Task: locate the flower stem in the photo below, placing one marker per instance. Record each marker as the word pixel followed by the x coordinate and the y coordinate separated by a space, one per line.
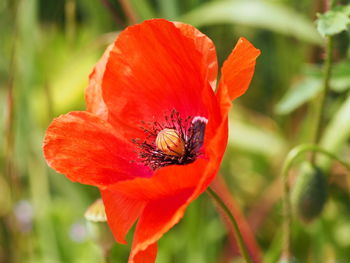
pixel 324 94
pixel 242 246
pixel 291 157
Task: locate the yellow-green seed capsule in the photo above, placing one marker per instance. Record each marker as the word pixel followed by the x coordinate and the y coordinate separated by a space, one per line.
pixel 169 142
pixel 309 193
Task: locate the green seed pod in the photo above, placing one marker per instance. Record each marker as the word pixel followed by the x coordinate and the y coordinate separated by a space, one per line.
pixel 309 193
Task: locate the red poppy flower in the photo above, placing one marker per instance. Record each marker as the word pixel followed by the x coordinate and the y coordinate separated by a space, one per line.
pixel 155 131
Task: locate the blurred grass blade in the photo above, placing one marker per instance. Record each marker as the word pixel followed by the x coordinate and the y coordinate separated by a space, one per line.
pixel 256 139
pixel 337 132
pixel 309 86
pixel 273 253
pixel 5 196
pixel 298 94
pixel 260 14
pixel 222 189
pixel 340 81
pixel 168 8
pixel 143 9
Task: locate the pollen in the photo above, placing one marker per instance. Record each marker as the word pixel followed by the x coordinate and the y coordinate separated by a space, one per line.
pixel 170 142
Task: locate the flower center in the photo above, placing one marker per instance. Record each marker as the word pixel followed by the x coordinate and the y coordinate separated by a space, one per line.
pixel 174 141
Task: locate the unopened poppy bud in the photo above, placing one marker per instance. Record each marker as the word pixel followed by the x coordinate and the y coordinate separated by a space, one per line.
pixel 97 228
pixel 96 212
pixel 170 142
pixel 309 193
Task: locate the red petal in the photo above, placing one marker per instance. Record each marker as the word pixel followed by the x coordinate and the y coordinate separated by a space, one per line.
pixel 146 256
pixel 86 149
pixel 168 193
pixel 93 93
pixel 157 218
pixel 207 49
pixel 209 70
pixel 154 70
pixel 215 149
pixel 236 75
pixel 166 181
pixel 237 72
pixel 122 212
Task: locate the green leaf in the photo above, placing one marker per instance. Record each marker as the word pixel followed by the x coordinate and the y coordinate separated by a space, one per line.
pixel 259 14
pixel 332 22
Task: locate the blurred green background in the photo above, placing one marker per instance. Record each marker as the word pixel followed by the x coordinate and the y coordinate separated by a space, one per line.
pixel 49 47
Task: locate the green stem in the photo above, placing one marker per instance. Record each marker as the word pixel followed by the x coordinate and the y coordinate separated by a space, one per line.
pixel 323 99
pixel 242 246
pixel 291 157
